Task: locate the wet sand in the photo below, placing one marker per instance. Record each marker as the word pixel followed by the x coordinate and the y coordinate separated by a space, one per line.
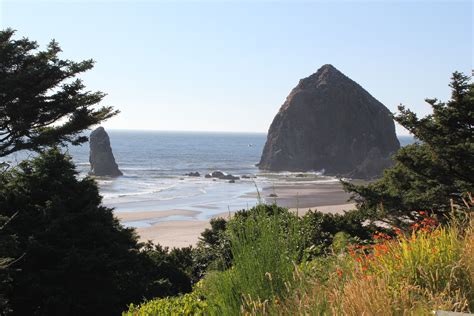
pixel 165 230
pixel 306 195
pixel 141 216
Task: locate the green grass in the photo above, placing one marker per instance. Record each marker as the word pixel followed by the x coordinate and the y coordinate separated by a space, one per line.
pixel 264 249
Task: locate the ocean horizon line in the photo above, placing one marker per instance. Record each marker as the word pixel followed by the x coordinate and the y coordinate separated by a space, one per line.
pixel 181 131
pixel 200 132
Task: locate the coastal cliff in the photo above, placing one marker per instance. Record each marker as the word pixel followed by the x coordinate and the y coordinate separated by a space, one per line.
pixel 329 122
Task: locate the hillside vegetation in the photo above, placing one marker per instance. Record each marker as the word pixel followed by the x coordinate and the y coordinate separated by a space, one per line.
pixel 416 271
pixel 406 250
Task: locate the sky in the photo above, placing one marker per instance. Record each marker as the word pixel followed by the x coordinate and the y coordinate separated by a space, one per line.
pixel 229 65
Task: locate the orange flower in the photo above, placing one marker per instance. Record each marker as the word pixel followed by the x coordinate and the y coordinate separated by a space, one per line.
pixel 397 231
pixel 415 225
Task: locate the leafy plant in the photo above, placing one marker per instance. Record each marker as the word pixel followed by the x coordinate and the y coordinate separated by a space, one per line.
pixel 185 305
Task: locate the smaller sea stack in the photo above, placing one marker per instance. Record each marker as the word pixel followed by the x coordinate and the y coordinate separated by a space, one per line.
pixel 101 157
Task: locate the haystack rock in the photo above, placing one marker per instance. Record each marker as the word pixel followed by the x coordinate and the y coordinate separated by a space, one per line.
pixel 101 157
pixel 330 123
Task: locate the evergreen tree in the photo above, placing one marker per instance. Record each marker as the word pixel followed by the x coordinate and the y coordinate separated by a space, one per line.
pixel 438 168
pixel 41 104
pixel 74 256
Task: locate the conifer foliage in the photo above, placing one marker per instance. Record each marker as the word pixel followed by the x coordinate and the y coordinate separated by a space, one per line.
pixel 42 102
pixel 438 168
pixel 74 255
pixel 61 251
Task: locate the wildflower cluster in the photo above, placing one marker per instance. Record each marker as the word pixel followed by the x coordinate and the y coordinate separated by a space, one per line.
pixel 426 223
pixel 365 254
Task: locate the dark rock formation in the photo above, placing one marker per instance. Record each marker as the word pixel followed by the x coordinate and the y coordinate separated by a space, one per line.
pixel 221 175
pixel 101 157
pixel 330 123
pixel 245 176
pixel 230 177
pixel 193 174
pixel 215 174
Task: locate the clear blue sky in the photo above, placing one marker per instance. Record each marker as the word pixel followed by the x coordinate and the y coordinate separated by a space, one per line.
pixel 229 65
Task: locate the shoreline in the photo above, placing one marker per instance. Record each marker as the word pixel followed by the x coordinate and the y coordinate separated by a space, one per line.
pixel 182 228
pixel 146 215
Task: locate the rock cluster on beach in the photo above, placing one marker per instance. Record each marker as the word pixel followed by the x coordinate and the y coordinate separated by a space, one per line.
pixel 193 174
pixel 221 175
pixel 101 157
pixel 329 122
pixel 214 175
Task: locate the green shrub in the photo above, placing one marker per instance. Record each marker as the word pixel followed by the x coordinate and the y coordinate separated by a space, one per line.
pixel 70 254
pixel 188 304
pixel 321 229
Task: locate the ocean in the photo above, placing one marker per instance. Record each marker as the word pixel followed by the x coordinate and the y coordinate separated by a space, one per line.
pixel 154 165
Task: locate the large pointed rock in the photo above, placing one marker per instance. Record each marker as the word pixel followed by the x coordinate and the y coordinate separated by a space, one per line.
pixel 101 157
pixel 330 123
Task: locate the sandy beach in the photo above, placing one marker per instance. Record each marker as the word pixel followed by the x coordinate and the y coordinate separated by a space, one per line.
pixel 174 233
pixel 181 228
pixel 161 230
pixel 306 195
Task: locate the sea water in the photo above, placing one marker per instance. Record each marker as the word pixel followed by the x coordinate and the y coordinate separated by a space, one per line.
pixel 154 165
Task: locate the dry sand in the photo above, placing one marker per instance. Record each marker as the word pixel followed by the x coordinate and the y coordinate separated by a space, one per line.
pixel 174 233
pixel 333 209
pixel 328 198
pixel 168 233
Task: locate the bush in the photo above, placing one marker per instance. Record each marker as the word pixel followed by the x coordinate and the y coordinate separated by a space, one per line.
pixel 72 256
pixel 322 228
pixel 185 305
pixel 212 251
